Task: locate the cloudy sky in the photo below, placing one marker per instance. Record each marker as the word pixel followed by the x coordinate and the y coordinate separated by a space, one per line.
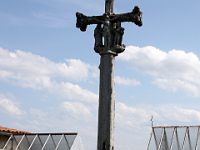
pixel 49 73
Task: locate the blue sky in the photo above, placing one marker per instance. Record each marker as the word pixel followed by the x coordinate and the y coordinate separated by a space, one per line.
pixel 49 70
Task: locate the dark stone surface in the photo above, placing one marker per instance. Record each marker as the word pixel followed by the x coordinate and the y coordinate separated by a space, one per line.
pixel 108 33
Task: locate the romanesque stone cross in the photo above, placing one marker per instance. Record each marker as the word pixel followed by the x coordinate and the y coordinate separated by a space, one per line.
pixel 108 43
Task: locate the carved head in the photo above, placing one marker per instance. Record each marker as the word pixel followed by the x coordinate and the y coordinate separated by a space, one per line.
pixel 137 15
pixel 81 21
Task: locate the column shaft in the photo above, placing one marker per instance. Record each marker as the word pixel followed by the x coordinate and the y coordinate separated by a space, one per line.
pixel 106 103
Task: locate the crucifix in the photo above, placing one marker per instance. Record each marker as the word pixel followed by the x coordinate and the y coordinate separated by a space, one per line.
pixel 108 36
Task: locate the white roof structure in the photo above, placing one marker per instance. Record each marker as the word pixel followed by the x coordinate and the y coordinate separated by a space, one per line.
pixel 44 141
pixel 175 138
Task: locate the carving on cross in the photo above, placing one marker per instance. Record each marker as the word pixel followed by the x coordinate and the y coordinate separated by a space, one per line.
pixel 108 33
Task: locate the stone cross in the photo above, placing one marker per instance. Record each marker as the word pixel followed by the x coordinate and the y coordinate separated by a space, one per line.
pixel 108 36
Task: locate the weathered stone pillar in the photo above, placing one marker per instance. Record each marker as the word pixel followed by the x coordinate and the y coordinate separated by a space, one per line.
pixel 106 103
pixel 108 43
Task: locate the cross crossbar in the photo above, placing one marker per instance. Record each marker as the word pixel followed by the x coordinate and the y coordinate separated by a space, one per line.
pixel 134 16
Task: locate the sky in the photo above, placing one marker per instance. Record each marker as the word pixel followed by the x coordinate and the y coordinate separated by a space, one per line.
pixel 49 75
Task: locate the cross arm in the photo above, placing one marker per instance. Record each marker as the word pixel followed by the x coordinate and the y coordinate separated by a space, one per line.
pixel 134 16
pixel 83 21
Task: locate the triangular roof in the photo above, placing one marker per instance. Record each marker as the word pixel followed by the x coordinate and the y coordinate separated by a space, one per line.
pixel 50 141
pixel 174 137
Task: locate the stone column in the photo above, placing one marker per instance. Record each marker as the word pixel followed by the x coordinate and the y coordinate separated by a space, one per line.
pixel 106 103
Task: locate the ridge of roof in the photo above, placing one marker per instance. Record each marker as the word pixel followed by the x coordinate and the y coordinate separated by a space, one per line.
pixel 12 131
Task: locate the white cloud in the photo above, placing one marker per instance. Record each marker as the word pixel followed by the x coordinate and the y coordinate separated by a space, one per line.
pixel 74 91
pixel 126 81
pixel 24 64
pixel 33 71
pixel 130 117
pixel 4 74
pixel 174 70
pixel 9 106
pixel 75 69
pixel 177 84
pixel 77 109
pixel 139 116
pixel 178 114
